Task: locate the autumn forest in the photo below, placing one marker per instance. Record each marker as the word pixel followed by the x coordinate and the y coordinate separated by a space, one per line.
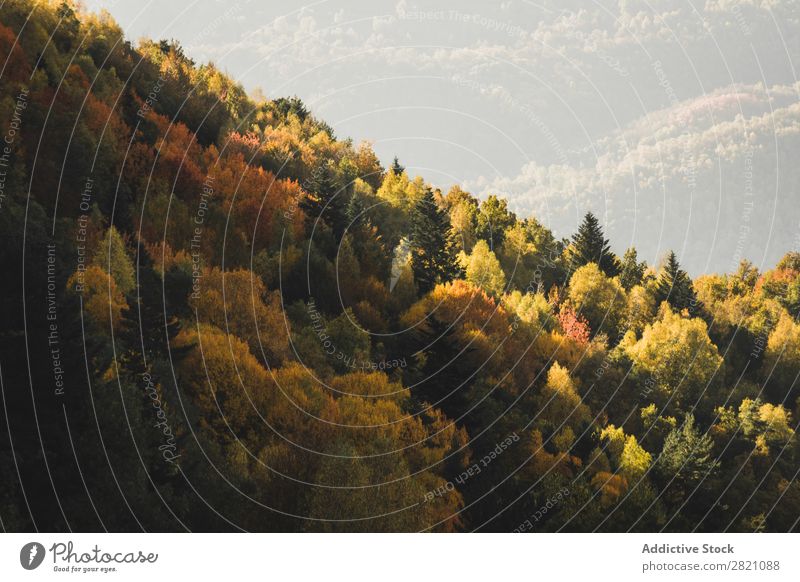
pixel 219 315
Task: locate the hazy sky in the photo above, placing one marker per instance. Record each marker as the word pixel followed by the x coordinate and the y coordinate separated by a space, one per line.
pixel 677 121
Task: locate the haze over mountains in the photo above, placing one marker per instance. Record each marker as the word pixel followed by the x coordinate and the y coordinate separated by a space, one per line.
pixel 675 121
pixel 712 177
pixel 220 316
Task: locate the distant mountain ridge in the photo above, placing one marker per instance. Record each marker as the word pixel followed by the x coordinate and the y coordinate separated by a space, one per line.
pixel 712 177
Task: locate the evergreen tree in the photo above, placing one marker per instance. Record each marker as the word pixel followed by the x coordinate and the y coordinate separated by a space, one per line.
pixel 631 271
pixel 291 105
pixel 687 457
pixel 445 374
pixel 355 211
pixel 326 199
pixel 675 287
pixel 589 245
pixel 433 248
pixel 112 257
pixel 367 240
pixel 396 168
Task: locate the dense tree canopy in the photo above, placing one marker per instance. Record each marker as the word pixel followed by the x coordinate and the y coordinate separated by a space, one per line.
pixel 230 318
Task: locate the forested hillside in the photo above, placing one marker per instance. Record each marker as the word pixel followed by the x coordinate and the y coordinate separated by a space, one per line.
pixel 219 315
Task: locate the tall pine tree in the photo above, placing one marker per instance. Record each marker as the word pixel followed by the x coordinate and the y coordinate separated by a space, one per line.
pixel 355 211
pixel 396 168
pixel 433 248
pixel 326 199
pixel 589 245
pixel 686 460
pixel 675 287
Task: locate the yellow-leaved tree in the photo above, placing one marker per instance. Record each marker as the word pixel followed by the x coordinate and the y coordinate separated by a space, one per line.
pixel 677 354
pixel 483 269
pixel 600 299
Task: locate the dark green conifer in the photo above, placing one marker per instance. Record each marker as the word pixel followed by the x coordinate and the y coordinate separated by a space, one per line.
pixel 675 287
pixel 396 168
pixel 589 245
pixel 326 199
pixel 433 248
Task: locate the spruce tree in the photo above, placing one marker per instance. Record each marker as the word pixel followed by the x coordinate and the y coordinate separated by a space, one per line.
pixel 326 199
pixel 396 167
pixel 631 271
pixel 367 240
pixel 686 459
pixel 590 246
pixel 112 257
pixel 433 248
pixel 675 287
pixel 354 212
